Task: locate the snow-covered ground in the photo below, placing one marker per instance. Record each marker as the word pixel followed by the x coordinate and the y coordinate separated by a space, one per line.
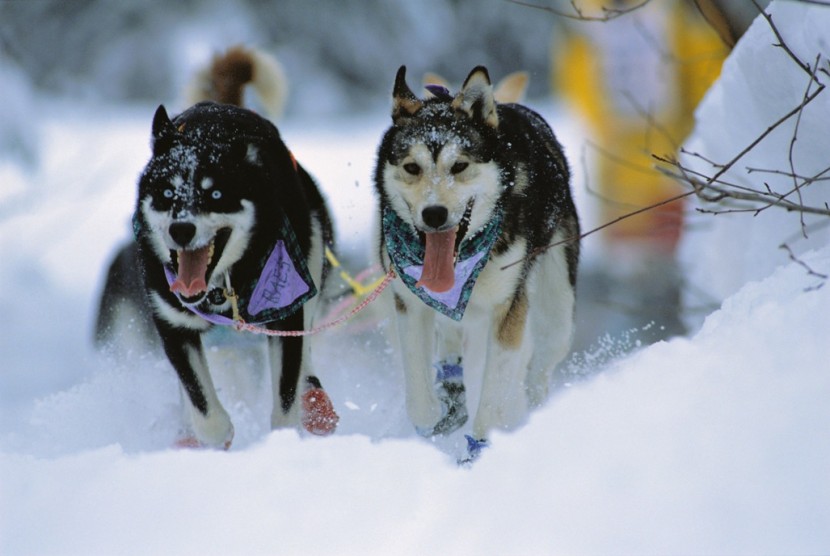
pixel 715 443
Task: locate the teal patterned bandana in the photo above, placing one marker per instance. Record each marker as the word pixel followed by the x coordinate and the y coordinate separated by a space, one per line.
pixel 407 254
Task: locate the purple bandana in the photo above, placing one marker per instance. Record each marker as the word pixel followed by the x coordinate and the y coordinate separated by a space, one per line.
pixel 279 284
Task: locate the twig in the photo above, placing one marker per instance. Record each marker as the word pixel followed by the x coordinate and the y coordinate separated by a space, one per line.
pixel 602 227
pixel 763 136
pixel 592 192
pixel 805 179
pixel 649 118
pixel 608 13
pixel 701 157
pixel 620 161
pixel 805 266
pixel 723 191
pixel 824 3
pixel 795 138
pixel 782 43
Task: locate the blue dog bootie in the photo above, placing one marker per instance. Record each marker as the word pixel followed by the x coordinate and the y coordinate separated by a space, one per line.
pixel 474 448
pixel 449 386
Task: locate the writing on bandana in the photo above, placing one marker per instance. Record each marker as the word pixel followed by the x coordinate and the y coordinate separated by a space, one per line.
pixel 407 254
pixel 279 284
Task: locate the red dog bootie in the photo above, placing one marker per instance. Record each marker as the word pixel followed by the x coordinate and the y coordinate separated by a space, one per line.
pixel 318 416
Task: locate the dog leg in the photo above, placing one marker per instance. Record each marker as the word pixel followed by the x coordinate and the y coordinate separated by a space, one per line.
pixel 416 334
pixel 450 343
pixel 285 356
pixel 503 403
pixel 211 423
pixel 290 360
pixel 449 381
pixel 551 322
pixel 317 411
pixel 449 386
pixel 292 371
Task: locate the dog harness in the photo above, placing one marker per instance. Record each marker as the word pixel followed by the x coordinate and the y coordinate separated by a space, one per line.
pixel 407 254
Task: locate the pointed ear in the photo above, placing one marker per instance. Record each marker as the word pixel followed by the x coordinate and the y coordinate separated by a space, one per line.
pixel 476 97
pixel 404 102
pixel 512 87
pixel 163 130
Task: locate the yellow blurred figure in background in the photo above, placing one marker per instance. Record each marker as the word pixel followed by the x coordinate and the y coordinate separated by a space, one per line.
pixel 636 80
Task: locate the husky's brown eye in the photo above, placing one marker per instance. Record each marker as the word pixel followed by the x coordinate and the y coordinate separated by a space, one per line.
pixel 459 167
pixel 412 168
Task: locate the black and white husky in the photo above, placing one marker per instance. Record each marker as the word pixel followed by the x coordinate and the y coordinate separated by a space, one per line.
pixel 466 187
pixel 229 228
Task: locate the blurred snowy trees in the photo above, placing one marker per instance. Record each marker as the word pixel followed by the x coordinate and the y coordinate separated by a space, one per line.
pixel 339 55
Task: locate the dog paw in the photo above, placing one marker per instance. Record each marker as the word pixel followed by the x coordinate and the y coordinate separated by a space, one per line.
pixel 474 448
pixel 190 442
pixel 319 417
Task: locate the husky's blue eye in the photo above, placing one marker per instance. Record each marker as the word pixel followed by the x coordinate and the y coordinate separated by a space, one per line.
pixel 459 167
pixel 168 193
pixel 412 168
pixel 216 194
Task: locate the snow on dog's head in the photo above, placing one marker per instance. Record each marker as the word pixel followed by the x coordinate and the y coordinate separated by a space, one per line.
pixel 437 164
pixel 210 166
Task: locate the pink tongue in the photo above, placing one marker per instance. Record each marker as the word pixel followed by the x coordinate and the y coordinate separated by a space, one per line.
pixel 439 273
pixel 192 270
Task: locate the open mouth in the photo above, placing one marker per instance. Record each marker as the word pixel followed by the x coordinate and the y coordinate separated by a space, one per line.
pixel 195 267
pixel 440 253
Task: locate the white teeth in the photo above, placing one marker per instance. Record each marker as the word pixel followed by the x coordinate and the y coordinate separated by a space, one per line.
pixel 211 251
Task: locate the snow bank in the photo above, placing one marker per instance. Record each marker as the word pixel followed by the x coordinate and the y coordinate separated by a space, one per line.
pixel 760 83
pixel 714 444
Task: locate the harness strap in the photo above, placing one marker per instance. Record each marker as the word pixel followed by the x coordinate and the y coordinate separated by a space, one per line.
pixel 359 289
pixel 230 295
pixel 242 325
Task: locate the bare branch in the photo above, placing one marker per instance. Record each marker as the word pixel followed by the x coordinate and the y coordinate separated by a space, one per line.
pixel 620 161
pixel 578 15
pixel 719 191
pixel 805 266
pixel 701 157
pixel 795 138
pixel 650 120
pixel 783 45
pixel 726 167
pixel 602 227
pixel 591 191
pixel 805 179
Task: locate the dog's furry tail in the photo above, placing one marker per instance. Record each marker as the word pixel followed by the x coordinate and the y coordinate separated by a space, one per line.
pixel 224 80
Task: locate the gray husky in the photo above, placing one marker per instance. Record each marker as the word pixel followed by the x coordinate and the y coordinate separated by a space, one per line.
pixel 467 186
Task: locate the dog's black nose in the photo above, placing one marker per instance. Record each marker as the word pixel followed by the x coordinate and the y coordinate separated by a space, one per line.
pixel 182 232
pixel 435 216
